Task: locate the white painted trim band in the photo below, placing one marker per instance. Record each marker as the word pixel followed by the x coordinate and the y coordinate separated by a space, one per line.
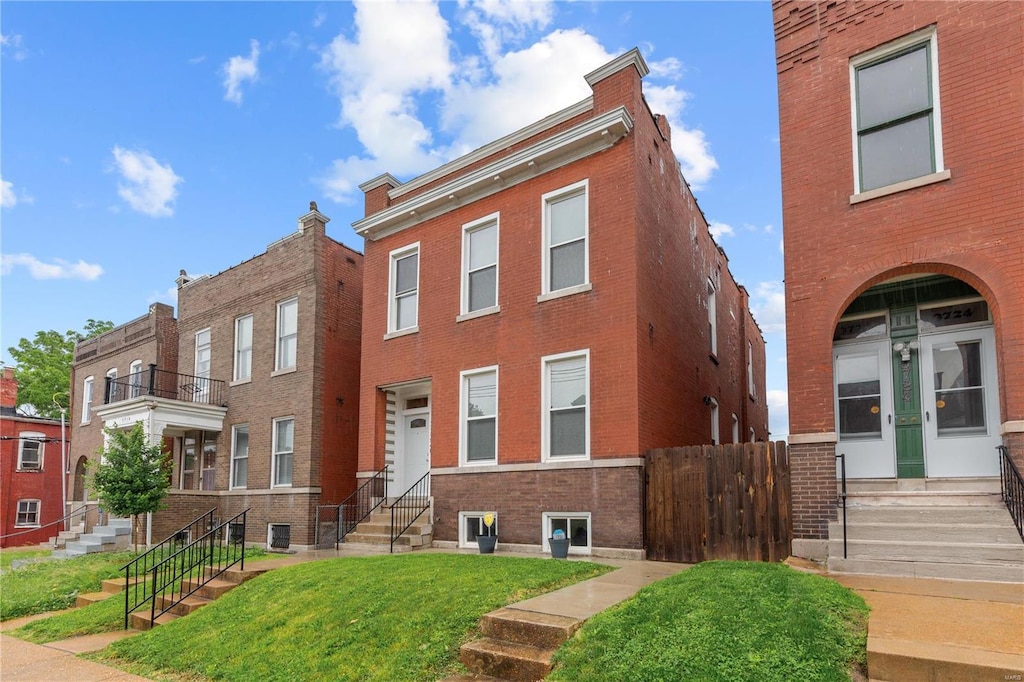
pixel 812 438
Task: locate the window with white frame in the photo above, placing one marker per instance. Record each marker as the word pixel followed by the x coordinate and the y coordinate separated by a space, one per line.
pixel 472 526
pixel 239 455
pixel 30 450
pixel 566 225
pixel 480 264
pixel 751 385
pixel 287 333
pixel 404 288
pixel 135 378
pixel 715 437
pixel 243 348
pixel 28 514
pixel 753 436
pixel 897 127
pixel 111 385
pixel 284 448
pixel 87 400
pixel 735 428
pixel 479 437
pixel 713 317
pixel 202 362
pixel 566 418
pixel 575 525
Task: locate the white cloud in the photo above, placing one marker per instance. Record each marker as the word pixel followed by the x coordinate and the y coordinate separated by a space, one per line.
pixel 197 60
pixel 497 22
pixel 13 45
pixel 319 18
pixel 689 144
pixel 670 67
pixel 170 296
pixel 778 413
pixel 782 246
pixel 768 303
pixel 238 70
pixel 58 269
pixel 8 199
pixel 719 230
pixel 149 187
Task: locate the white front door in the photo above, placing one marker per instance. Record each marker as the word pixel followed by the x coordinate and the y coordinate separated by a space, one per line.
pixel 863 404
pixel 961 403
pixel 414 460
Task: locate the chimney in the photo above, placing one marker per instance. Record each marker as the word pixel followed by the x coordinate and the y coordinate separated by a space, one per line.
pixel 182 279
pixel 8 389
pixel 314 220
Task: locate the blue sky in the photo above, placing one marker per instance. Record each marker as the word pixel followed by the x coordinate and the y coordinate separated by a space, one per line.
pixel 139 139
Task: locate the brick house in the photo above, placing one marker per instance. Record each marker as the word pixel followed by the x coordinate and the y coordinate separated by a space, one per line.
pixel 31 472
pixel 902 165
pixel 255 392
pixel 540 312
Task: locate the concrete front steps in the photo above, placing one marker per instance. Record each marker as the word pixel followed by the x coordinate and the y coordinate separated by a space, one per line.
pixel 517 644
pixel 114 536
pixel 62 538
pixel 952 534
pixel 374 534
pixel 205 594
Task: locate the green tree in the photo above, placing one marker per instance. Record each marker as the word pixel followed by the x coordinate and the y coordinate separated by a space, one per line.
pixel 43 366
pixel 133 476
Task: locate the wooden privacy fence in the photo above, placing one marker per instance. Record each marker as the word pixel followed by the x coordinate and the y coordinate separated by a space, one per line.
pixel 718 502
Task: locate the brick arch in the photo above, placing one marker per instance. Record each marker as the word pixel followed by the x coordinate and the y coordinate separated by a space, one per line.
pixel 78 484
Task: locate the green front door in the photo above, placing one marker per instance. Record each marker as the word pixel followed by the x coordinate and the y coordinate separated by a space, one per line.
pixel 906 397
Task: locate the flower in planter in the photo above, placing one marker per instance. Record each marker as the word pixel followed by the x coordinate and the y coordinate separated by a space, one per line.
pixel 489 523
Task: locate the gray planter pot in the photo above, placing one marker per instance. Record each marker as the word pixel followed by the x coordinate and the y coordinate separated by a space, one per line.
pixel 559 547
pixel 486 543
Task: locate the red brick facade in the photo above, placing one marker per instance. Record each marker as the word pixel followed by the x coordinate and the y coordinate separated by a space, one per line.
pixel 642 317
pixel 963 221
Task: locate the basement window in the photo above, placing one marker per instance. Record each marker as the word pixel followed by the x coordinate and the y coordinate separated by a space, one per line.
pixel 471 526
pixel 279 535
pixel 575 525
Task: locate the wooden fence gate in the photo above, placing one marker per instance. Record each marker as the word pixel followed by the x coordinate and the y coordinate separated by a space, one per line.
pixel 718 502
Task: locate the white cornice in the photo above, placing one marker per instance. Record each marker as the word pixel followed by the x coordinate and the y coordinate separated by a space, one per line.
pixel 382 179
pixel 580 141
pixel 571 111
pixel 631 58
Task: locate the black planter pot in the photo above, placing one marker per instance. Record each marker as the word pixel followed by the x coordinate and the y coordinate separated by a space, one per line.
pixel 559 547
pixel 486 543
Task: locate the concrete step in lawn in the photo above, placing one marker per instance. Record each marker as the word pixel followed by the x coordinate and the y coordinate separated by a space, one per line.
pixel 91 598
pixel 517 644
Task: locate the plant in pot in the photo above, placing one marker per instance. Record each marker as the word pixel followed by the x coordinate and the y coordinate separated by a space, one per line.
pixel 489 538
pixel 559 544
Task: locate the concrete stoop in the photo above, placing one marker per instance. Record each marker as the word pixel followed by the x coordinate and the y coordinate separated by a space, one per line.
pixel 114 536
pixel 902 661
pixel 517 644
pixel 374 534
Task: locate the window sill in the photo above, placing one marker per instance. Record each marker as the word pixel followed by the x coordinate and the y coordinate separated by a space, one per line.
pixel 483 312
pixel 35 526
pixel 903 186
pixel 478 464
pixel 567 458
pixel 281 372
pixel 242 382
pixel 402 332
pixel 568 291
pixel 282 485
pixel 29 471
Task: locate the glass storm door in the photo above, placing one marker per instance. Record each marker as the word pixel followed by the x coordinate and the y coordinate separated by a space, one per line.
pixel 863 395
pixel 961 403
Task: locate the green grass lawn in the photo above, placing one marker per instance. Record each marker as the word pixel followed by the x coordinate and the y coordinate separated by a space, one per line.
pixel 54 585
pixel 9 555
pixel 724 621
pixel 368 618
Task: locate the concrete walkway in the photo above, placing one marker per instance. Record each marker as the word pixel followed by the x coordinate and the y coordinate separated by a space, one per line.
pixel 22 661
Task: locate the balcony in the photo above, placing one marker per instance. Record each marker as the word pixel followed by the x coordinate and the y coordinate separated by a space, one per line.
pixel 171 385
pixel 167 403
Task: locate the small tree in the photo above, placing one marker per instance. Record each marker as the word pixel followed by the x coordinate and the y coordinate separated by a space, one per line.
pixel 132 476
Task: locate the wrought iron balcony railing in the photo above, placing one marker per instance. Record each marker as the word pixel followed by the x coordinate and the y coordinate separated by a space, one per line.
pixel 164 384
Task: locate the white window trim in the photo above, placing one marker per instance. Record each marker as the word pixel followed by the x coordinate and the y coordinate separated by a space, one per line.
pixel 465 516
pixel 581 187
pixel 393 258
pixel 278 336
pixel 545 416
pixel 751 384
pixel 467 230
pixel 735 428
pixel 38 512
pixel 926 35
pixel 235 375
pixel 274 452
pixel 231 473
pixel 753 436
pixel 713 316
pixel 35 437
pixel 716 434
pixel 110 391
pixel 464 416
pixel 87 398
pixel 545 530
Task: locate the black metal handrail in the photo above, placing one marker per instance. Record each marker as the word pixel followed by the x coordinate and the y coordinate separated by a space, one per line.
pixel 354 508
pixel 187 570
pixel 137 570
pixel 1011 487
pixel 407 508
pixel 842 494
pixel 162 383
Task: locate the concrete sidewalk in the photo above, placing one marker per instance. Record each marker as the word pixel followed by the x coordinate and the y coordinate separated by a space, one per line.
pixel 22 661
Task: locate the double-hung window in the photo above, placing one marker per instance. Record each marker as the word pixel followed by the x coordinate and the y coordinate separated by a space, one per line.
pixel 565 430
pixel 287 333
pixel 202 388
pixel 480 265
pixel 28 513
pixel 480 416
pixel 751 386
pixel 243 348
pixel 404 289
pixel 111 385
pixel 135 379
pixel 566 261
pixel 715 437
pixel 897 131
pixel 239 455
pixel 284 448
pixel 87 400
pixel 30 451
pixel 713 317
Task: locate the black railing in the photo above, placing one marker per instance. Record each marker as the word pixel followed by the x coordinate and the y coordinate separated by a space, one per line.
pixel 409 507
pixel 187 570
pixel 352 511
pixel 1011 486
pixel 164 384
pixel 136 591
pixel 36 529
pixel 842 493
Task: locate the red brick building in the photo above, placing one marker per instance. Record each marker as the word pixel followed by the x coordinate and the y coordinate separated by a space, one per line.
pixel 539 313
pixel 31 471
pixel 902 139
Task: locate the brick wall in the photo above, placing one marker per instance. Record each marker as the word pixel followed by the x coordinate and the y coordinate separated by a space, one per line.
pixel 43 484
pixel 813 480
pixel 295 509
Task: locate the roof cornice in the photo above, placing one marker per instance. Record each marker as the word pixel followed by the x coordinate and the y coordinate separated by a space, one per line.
pixel 580 141
pixel 382 179
pixel 633 57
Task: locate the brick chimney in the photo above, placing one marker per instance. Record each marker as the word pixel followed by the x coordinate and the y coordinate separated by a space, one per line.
pixel 8 389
